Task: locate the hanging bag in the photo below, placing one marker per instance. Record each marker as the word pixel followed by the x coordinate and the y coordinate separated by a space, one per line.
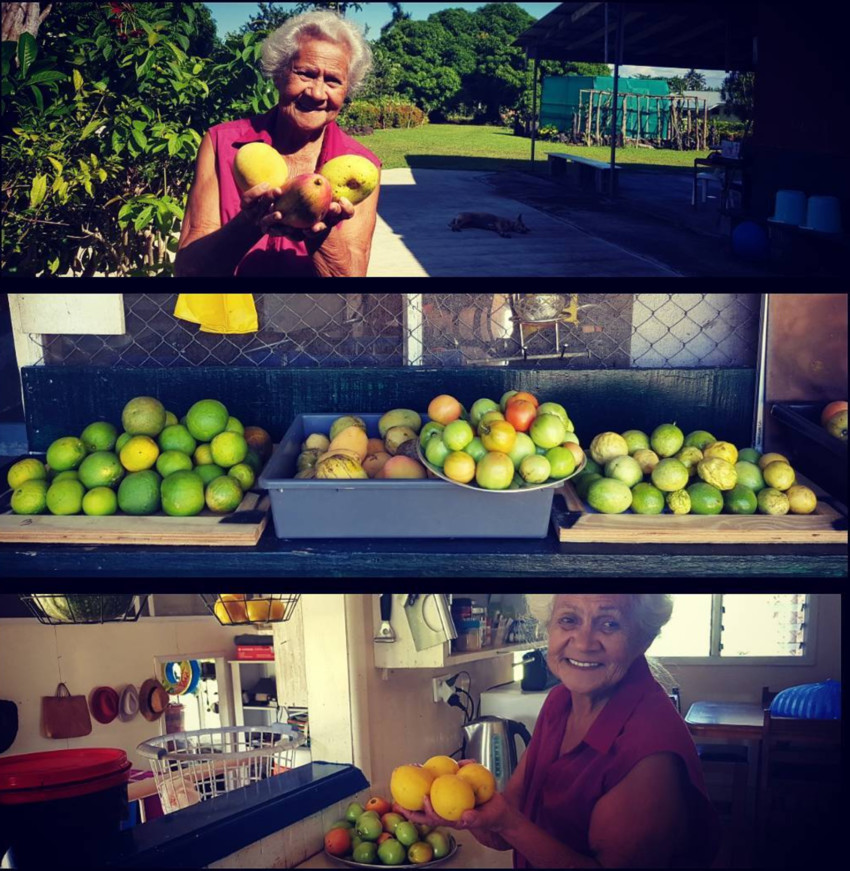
pixel 64 715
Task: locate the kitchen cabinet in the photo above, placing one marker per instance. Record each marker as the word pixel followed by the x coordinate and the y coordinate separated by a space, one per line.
pixel 402 652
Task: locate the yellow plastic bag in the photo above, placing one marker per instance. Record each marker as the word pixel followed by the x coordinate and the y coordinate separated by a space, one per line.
pixel 218 312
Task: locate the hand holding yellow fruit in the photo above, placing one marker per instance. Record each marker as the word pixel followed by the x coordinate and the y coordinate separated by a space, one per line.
pixel 450 788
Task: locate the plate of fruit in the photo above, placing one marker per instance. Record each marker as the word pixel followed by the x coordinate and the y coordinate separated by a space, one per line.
pixel 515 445
pixel 379 836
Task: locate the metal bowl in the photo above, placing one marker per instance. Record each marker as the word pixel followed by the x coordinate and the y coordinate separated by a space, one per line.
pixel 539 308
pixel 452 850
pixel 524 488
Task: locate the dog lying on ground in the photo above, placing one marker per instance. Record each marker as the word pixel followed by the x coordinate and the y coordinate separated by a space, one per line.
pixel 503 226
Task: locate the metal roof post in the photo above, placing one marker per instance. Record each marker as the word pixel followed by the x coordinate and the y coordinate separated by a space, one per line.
pixel 534 109
pixel 618 59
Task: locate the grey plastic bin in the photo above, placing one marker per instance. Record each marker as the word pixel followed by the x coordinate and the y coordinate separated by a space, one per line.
pixel 400 508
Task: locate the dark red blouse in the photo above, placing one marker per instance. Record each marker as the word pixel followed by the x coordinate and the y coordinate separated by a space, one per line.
pixel 272 255
pixel 560 792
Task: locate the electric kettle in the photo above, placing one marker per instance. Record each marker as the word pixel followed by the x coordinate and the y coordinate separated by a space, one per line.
pixel 491 741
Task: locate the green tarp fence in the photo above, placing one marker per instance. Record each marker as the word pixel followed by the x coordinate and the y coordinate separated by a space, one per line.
pixel 562 97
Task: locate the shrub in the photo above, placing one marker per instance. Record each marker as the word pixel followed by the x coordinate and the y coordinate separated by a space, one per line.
pixel 381 114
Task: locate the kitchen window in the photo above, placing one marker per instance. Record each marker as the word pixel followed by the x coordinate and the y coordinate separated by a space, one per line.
pixel 738 628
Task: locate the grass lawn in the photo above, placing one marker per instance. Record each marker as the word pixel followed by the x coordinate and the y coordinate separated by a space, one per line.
pixel 462 146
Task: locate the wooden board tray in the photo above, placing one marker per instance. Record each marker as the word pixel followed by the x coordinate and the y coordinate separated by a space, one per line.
pixel 576 523
pixel 243 527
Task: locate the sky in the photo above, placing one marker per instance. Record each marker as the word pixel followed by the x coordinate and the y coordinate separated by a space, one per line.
pixel 230 16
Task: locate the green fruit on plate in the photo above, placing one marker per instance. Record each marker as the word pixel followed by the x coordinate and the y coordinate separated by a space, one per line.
pixel 740 500
pixel 705 499
pixel 647 499
pixel 666 439
pixel 609 496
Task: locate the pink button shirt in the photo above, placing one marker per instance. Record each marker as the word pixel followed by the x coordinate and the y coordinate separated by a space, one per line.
pixel 639 719
pixel 272 255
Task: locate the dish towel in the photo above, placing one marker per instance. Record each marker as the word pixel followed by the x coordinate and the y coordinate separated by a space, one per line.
pixel 218 312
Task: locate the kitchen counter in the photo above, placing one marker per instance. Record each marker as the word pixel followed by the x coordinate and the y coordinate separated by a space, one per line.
pixel 470 854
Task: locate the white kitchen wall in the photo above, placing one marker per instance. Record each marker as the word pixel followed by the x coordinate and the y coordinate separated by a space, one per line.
pixel 34 658
pixel 398 721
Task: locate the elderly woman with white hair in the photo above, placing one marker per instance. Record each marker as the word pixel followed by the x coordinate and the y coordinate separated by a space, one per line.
pixel 611 777
pixel 316 60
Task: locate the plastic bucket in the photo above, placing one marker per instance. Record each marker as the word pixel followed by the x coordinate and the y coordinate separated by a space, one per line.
pixel 61 803
pixel 790 207
pixel 823 214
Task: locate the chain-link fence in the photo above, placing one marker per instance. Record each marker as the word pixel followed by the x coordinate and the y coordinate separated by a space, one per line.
pixel 552 331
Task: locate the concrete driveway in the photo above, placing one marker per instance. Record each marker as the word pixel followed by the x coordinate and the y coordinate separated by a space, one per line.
pixel 413 238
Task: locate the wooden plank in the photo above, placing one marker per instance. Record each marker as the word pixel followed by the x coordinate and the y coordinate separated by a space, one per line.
pixel 816 528
pixel 241 528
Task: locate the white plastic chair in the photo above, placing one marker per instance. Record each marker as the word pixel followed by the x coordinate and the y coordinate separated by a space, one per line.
pixel 702 181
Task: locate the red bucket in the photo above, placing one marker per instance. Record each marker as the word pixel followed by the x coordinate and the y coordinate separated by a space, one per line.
pixel 79 796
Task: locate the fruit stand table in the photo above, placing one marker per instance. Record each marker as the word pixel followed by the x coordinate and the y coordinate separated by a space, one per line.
pixel 63 399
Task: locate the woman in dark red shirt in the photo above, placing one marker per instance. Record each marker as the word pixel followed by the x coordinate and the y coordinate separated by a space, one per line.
pixel 611 778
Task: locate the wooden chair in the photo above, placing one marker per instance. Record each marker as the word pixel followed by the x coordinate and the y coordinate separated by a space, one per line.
pixel 799 794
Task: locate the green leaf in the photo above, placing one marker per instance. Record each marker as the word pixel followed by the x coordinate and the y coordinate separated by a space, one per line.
pixel 55 163
pixel 93 160
pixel 47 77
pixel 197 68
pixel 38 190
pixel 88 187
pixel 101 174
pixel 78 79
pixel 140 138
pixel 143 68
pixel 173 147
pixel 90 128
pixel 153 39
pixel 53 265
pixel 39 99
pixel 124 211
pixel 190 14
pixel 143 218
pixel 181 56
pixel 27 52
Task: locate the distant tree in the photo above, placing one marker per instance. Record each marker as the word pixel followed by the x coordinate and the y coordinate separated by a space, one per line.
pixel 269 18
pixel 342 8
pixel 694 81
pixel 737 92
pixel 578 68
pixel 677 84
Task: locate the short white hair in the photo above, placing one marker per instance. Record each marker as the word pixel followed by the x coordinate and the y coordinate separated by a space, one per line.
pixel 281 46
pixel 650 611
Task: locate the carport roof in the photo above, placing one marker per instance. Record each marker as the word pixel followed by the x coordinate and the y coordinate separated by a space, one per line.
pixel 718 35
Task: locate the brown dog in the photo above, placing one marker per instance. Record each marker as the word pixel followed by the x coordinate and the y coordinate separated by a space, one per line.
pixel 484 221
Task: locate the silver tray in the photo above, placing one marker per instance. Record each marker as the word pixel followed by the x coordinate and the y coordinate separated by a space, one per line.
pixel 452 850
pixel 523 488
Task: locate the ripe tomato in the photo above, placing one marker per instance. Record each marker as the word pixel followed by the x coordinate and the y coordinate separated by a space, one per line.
pixel 497 436
pixel 520 413
pixel 338 842
pixel 380 805
pixel 523 394
pixel 444 409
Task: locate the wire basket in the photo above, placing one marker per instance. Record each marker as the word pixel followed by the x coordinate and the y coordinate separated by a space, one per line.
pixel 191 767
pixel 55 609
pixel 239 609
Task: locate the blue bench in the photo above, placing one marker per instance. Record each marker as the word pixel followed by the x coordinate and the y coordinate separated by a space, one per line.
pixel 560 163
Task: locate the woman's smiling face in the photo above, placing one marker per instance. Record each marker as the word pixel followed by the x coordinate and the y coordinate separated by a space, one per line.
pixel 313 91
pixel 592 642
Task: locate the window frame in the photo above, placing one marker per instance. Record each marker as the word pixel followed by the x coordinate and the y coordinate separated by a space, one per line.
pixel 808 656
